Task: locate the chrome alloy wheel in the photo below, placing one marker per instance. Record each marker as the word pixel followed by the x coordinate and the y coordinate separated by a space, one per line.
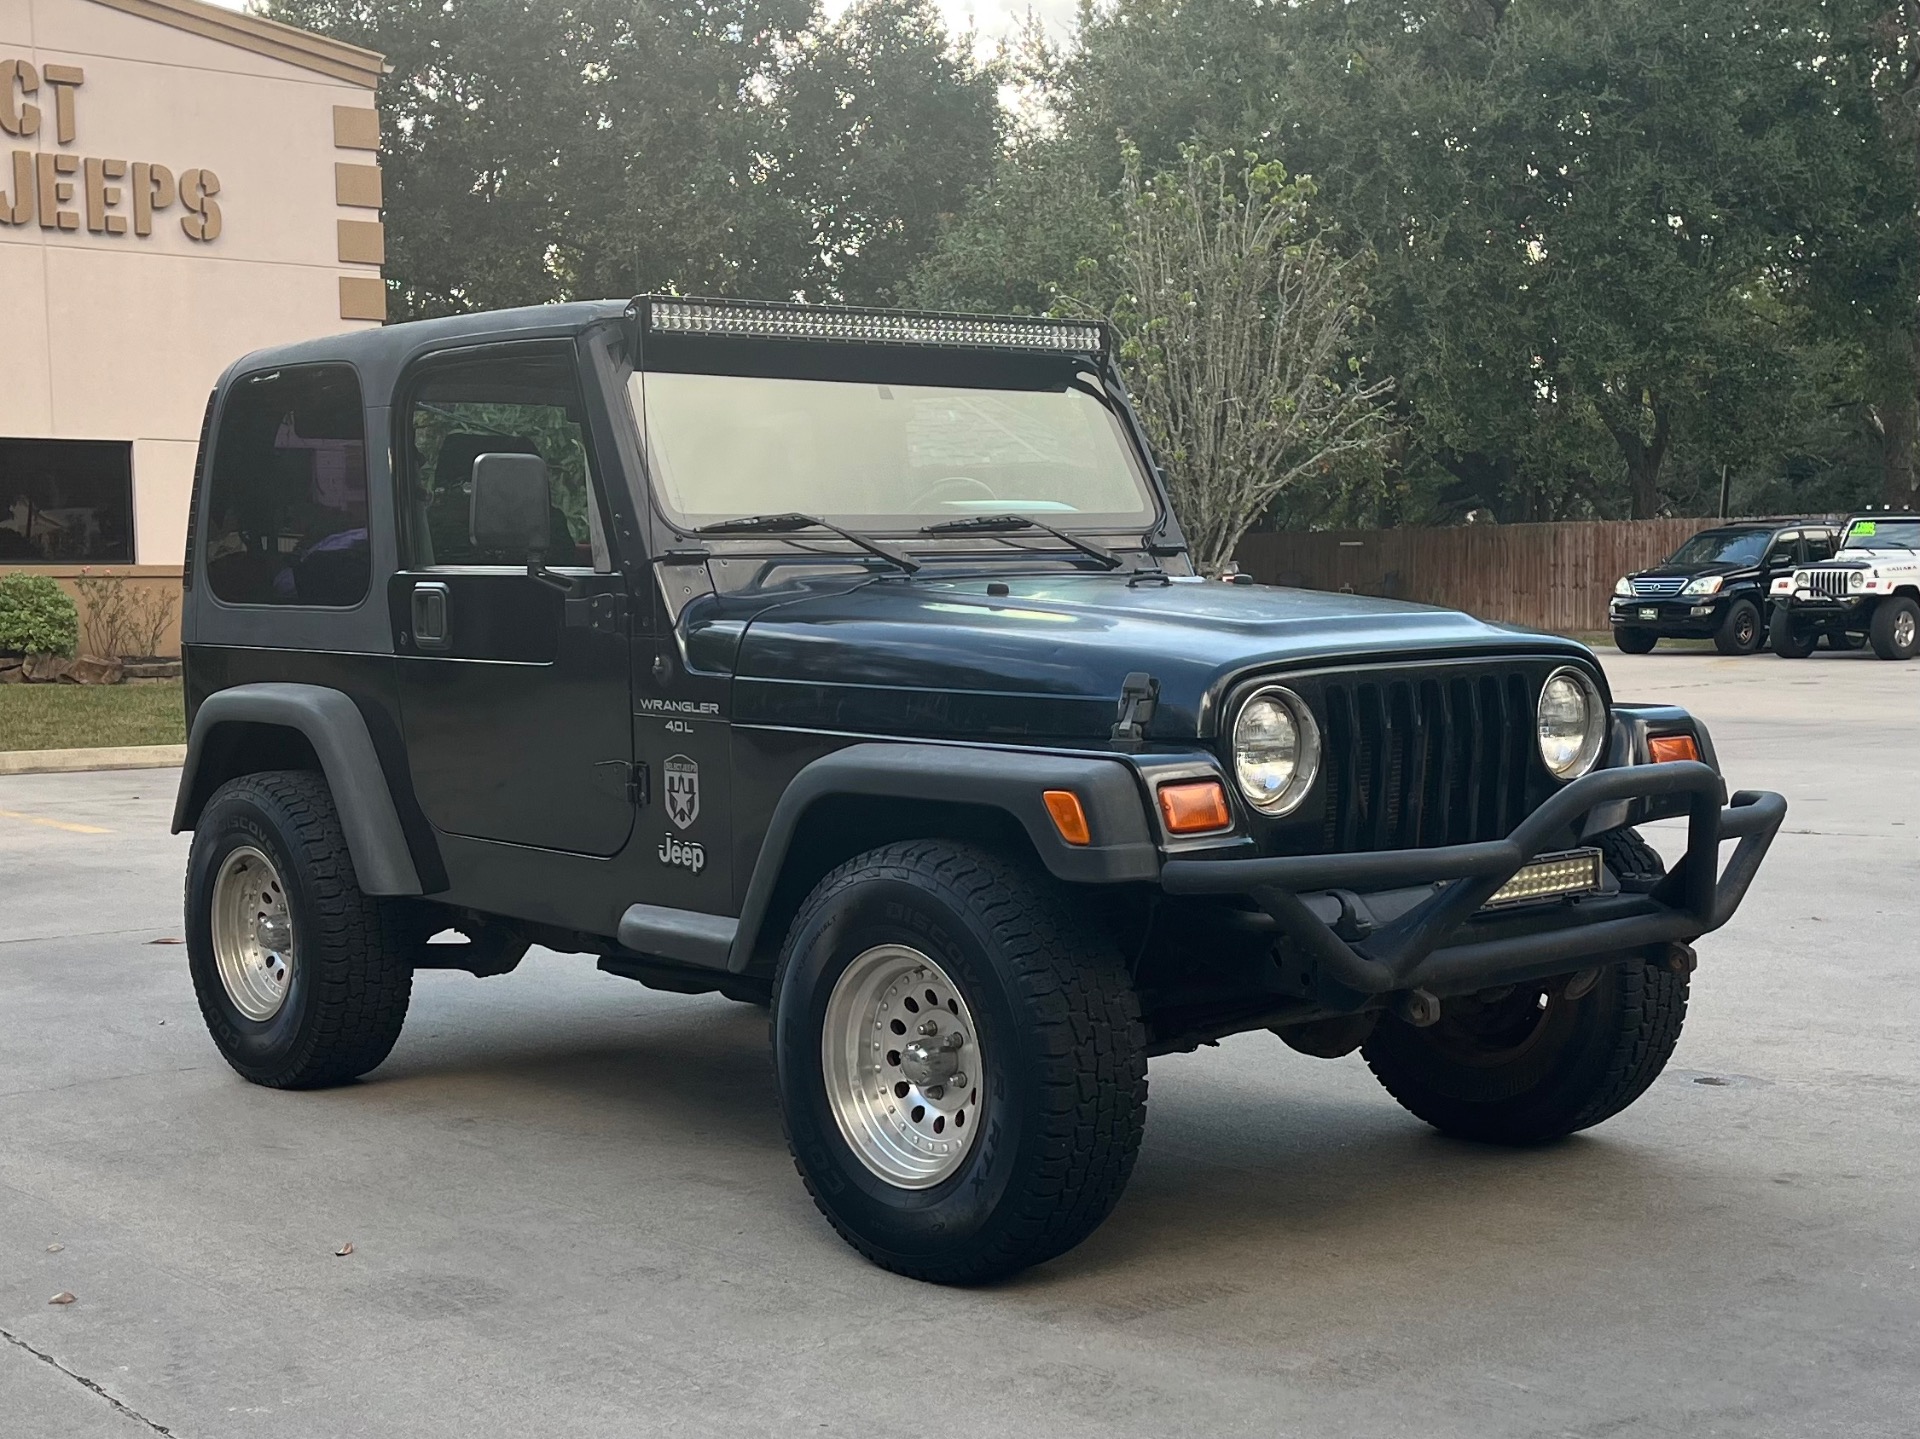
pixel 1903 630
pixel 901 1058
pixel 252 933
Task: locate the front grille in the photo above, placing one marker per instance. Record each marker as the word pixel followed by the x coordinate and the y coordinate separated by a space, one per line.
pixel 1427 760
pixel 1831 583
pixel 1658 588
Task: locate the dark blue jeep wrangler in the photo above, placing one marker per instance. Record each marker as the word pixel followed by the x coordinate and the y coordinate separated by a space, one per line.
pixel 852 662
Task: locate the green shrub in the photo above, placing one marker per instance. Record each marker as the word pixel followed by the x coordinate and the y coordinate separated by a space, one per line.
pixel 37 616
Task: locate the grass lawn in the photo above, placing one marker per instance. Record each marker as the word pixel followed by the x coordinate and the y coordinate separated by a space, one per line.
pixel 90 716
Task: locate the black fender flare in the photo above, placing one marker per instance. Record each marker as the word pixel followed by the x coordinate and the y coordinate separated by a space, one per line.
pixel 1123 847
pixel 332 724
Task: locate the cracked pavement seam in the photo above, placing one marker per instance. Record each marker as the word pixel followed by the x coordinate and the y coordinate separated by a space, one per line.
pixel 85 1383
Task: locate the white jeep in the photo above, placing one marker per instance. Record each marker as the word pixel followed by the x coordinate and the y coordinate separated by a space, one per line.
pixel 1869 592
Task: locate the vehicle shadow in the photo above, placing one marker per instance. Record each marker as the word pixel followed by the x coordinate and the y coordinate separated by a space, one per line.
pixel 1260 1167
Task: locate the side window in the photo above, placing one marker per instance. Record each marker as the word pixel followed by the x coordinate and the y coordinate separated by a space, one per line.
pixel 1783 549
pixel 1819 545
pixel 286 517
pixel 525 403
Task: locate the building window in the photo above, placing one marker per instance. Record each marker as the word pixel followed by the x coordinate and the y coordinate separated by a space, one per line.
pixel 66 502
pixel 286 516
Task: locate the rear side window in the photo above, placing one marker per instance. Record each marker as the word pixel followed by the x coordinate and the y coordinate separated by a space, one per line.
pixel 286 511
pixel 1819 544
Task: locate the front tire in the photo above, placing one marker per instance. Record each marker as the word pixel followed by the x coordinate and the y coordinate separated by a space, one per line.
pixel 302 979
pixel 1740 632
pixel 1895 633
pixel 1530 1065
pixel 1785 639
pixel 956 1180
pixel 1631 641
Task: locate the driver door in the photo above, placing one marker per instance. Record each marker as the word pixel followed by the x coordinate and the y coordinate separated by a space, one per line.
pixel 514 691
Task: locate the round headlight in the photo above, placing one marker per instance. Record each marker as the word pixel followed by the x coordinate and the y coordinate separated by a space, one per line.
pixel 1572 723
pixel 1276 751
pixel 1857 580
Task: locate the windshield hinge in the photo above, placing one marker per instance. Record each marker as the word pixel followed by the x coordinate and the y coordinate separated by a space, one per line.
pixel 1139 693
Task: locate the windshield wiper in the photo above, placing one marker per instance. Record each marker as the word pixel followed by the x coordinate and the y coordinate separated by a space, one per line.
pixel 1005 524
pixel 788 523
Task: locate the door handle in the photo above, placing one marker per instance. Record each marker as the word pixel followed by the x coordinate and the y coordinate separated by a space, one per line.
pixel 430 616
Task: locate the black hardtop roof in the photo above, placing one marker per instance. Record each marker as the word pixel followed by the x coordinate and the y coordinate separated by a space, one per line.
pixel 380 354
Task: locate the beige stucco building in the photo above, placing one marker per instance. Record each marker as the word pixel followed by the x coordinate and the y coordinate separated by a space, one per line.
pixel 179 184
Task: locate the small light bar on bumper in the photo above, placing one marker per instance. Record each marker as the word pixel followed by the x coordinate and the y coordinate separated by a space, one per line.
pixel 767 320
pixel 1552 876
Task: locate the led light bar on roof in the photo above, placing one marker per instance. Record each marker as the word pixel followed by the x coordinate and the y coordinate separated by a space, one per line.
pixel 746 320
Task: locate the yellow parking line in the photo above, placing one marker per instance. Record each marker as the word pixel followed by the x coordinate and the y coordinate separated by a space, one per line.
pixel 53 823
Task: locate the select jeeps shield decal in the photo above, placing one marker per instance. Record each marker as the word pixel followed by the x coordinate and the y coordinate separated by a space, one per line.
pixel 682 790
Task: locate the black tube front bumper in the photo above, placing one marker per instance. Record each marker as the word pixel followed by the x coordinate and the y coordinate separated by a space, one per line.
pixel 1447 943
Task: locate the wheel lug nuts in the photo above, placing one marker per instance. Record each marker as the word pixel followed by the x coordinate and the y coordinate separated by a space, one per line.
pixel 936 1091
pixel 927 1026
pixel 959 1081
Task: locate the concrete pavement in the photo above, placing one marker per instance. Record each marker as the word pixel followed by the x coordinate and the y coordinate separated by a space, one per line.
pixel 572 1212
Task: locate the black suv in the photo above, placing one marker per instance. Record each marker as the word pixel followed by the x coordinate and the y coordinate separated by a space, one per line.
pixel 1716 586
pixel 852 662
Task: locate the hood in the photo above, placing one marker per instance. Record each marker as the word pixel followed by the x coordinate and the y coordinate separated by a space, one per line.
pixel 1048 658
pixel 1692 572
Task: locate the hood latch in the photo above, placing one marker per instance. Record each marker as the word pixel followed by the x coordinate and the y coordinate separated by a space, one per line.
pixel 1139 693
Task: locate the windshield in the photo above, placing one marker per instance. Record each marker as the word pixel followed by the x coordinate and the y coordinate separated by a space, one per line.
pixel 1723 547
pixel 1882 534
pixel 885 457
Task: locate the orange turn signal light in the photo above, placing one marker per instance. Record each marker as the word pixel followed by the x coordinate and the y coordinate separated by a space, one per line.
pixel 1068 817
pixel 1664 748
pixel 1195 807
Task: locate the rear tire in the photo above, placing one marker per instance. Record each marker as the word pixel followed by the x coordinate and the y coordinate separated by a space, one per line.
pixel 1786 639
pixel 1629 640
pixel 1895 632
pixel 1740 632
pixel 1035 1002
pixel 1532 1066
pixel 302 979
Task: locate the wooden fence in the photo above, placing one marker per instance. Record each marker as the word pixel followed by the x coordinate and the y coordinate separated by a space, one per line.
pixel 1548 577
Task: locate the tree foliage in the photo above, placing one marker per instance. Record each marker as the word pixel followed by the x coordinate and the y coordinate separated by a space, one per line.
pixel 1612 249
pixel 1616 244
pixel 1236 320
pixel 541 150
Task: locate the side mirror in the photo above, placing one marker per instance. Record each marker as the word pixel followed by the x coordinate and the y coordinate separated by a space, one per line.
pixel 508 508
